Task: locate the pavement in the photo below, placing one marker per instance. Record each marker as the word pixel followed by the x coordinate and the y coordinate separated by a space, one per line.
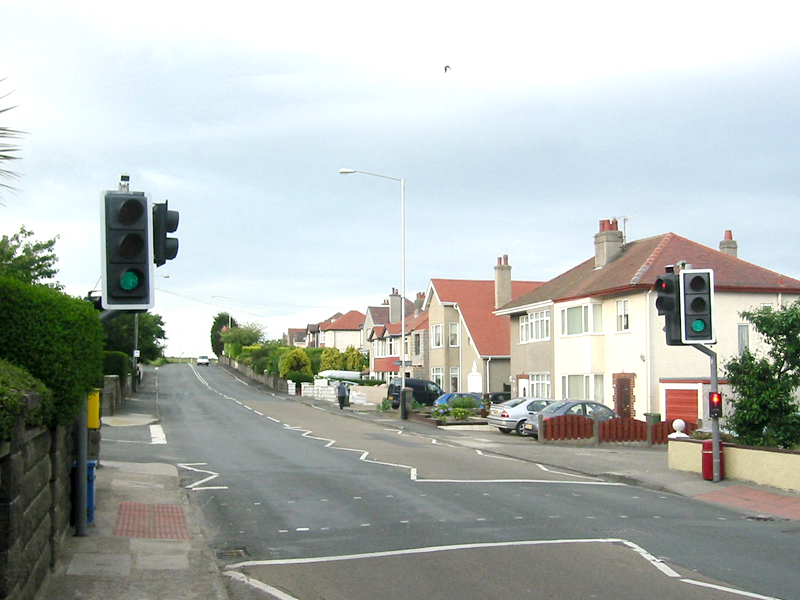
pixel 146 543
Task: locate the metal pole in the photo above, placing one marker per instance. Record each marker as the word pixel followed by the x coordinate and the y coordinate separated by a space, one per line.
pixel 403 293
pixel 135 348
pixel 82 471
pixel 715 441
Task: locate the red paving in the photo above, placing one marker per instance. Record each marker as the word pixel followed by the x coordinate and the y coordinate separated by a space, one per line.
pixel 157 521
pixel 766 503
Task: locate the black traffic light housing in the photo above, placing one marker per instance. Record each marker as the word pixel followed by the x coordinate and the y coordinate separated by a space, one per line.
pixel 127 270
pixel 164 221
pixel 668 305
pixel 697 306
pixel 714 405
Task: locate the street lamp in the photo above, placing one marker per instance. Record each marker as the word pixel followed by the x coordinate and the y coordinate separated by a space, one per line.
pixel 402 271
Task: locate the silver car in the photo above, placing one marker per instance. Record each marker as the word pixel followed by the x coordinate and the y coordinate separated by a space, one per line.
pixel 511 415
pixel 584 408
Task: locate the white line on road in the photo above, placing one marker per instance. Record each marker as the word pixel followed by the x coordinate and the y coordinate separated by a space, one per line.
pixel 211 476
pixel 157 435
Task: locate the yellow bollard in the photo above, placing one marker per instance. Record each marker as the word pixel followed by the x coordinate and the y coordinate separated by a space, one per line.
pixel 94 409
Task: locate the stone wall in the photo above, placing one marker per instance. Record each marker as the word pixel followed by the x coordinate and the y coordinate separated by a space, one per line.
pixel 35 487
pixel 271 381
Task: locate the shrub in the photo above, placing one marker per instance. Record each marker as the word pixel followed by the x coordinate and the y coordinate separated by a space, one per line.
pixel 299 377
pixel 465 402
pixel 460 414
pixel 117 363
pixel 440 411
pixel 14 383
pixel 56 338
pixel 385 405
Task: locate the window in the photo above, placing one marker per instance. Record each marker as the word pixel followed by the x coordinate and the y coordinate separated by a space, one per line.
pixel 437 376
pixel 622 316
pixel 540 385
pixel 437 340
pixel 417 344
pixel 582 387
pixel 453 335
pixel 744 337
pixel 392 351
pixel 582 319
pixel 453 379
pixel 524 330
pixel 540 325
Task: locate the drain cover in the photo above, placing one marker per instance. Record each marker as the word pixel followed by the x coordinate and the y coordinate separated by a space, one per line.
pixel 231 554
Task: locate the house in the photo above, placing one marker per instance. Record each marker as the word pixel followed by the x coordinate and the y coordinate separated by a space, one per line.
pixel 469 343
pixel 342 332
pixel 594 332
pixel 295 337
pixel 375 338
pixel 386 353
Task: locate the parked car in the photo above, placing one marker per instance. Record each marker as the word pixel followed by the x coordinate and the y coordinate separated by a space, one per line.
pixel 512 414
pixel 458 398
pixel 424 391
pixel 584 408
pixel 499 397
pixel 203 360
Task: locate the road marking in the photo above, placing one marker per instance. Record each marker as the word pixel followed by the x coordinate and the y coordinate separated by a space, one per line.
pixel 157 435
pixel 197 484
pixel 727 589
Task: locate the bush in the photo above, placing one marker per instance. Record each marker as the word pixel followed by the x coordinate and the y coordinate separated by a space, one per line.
pixel 299 377
pixel 460 414
pixel 117 363
pixel 465 402
pixel 440 411
pixel 56 338
pixel 385 405
pixel 14 383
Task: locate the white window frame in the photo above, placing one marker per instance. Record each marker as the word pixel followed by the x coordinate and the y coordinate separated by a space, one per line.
pixel 540 386
pixel 437 336
pixel 623 316
pixel 392 346
pixel 453 332
pixel 592 387
pixel 524 329
pixel 540 325
pixel 455 373
pixel 590 321
pixel 437 376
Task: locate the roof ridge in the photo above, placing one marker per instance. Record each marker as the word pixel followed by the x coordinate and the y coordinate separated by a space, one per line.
pixel 637 277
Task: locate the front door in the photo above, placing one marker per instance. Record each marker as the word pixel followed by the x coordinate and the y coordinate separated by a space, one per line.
pixel 623 384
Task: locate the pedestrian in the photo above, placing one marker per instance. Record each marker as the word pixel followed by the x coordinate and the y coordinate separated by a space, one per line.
pixel 341 394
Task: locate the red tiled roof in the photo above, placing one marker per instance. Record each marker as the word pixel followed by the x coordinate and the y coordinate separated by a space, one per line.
pixel 490 333
pixel 353 320
pixel 644 260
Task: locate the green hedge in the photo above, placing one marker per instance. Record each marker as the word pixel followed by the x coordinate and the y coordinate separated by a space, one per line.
pixel 117 363
pixel 56 338
pixel 14 383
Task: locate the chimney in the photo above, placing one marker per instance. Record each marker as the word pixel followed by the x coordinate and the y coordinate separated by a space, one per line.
pixel 607 243
pixel 729 245
pixel 395 304
pixel 419 303
pixel 502 282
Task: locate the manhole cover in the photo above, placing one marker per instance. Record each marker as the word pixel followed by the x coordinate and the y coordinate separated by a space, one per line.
pixel 232 554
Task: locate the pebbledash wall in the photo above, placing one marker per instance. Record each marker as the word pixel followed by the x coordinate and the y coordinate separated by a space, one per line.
pixel 764 466
pixel 271 381
pixel 35 469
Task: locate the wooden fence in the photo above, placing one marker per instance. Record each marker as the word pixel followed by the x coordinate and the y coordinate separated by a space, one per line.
pixel 620 430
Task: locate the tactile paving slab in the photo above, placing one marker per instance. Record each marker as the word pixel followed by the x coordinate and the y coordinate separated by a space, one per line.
pixel 156 521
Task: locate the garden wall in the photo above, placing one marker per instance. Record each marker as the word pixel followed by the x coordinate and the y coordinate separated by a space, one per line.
pixel 35 470
pixel 271 381
pixel 764 466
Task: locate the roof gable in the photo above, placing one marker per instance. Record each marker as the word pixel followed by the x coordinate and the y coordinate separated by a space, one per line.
pixel 350 321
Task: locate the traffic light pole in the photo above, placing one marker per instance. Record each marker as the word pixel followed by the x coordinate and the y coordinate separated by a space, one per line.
pixel 715 457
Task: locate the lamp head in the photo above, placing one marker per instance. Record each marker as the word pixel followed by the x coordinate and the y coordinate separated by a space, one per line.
pixel 346 171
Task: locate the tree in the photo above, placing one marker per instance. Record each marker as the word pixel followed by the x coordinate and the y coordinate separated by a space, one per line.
pixel 119 335
pixel 295 361
pixel 332 359
pixel 221 322
pixel 28 261
pixel 248 334
pixel 764 404
pixel 354 360
pixel 8 151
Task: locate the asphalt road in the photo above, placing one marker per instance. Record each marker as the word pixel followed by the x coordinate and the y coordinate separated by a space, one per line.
pixel 301 501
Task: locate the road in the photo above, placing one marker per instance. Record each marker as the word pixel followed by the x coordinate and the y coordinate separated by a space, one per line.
pixel 321 504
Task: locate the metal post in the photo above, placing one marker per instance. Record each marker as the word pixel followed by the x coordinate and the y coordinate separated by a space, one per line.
pixel 82 471
pixel 403 290
pixel 134 377
pixel 715 441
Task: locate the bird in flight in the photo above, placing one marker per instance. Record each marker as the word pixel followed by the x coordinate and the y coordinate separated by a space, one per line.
pixel 446 68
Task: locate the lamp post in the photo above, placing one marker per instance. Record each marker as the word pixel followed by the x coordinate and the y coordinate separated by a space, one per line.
pixel 402 276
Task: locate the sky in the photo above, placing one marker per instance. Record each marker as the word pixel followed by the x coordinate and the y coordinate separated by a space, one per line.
pixel 671 117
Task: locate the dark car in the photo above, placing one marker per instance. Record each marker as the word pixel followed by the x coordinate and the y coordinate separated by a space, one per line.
pixel 423 391
pixel 499 397
pixel 584 408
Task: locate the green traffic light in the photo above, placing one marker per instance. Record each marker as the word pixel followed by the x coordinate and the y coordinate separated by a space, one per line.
pixel 698 325
pixel 129 280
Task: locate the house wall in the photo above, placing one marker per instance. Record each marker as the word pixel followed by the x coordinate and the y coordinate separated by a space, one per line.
pixel 531 357
pixel 341 339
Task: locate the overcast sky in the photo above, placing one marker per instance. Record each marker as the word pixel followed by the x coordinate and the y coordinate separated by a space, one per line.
pixel 680 116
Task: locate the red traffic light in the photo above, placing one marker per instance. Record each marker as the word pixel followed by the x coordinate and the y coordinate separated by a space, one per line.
pixel 714 404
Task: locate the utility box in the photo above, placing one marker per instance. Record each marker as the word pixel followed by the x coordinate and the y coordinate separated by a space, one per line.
pixel 94 409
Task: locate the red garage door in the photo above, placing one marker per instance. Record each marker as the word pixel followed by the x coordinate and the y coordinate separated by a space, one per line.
pixel 682 404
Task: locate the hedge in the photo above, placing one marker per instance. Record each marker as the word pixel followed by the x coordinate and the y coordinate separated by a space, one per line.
pixel 56 338
pixel 14 384
pixel 117 363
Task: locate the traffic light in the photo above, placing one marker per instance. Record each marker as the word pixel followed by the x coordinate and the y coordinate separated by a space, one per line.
pixel 127 251
pixel 668 305
pixel 714 405
pixel 697 306
pixel 164 221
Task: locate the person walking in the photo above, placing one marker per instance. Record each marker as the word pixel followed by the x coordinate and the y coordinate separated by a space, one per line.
pixel 341 394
